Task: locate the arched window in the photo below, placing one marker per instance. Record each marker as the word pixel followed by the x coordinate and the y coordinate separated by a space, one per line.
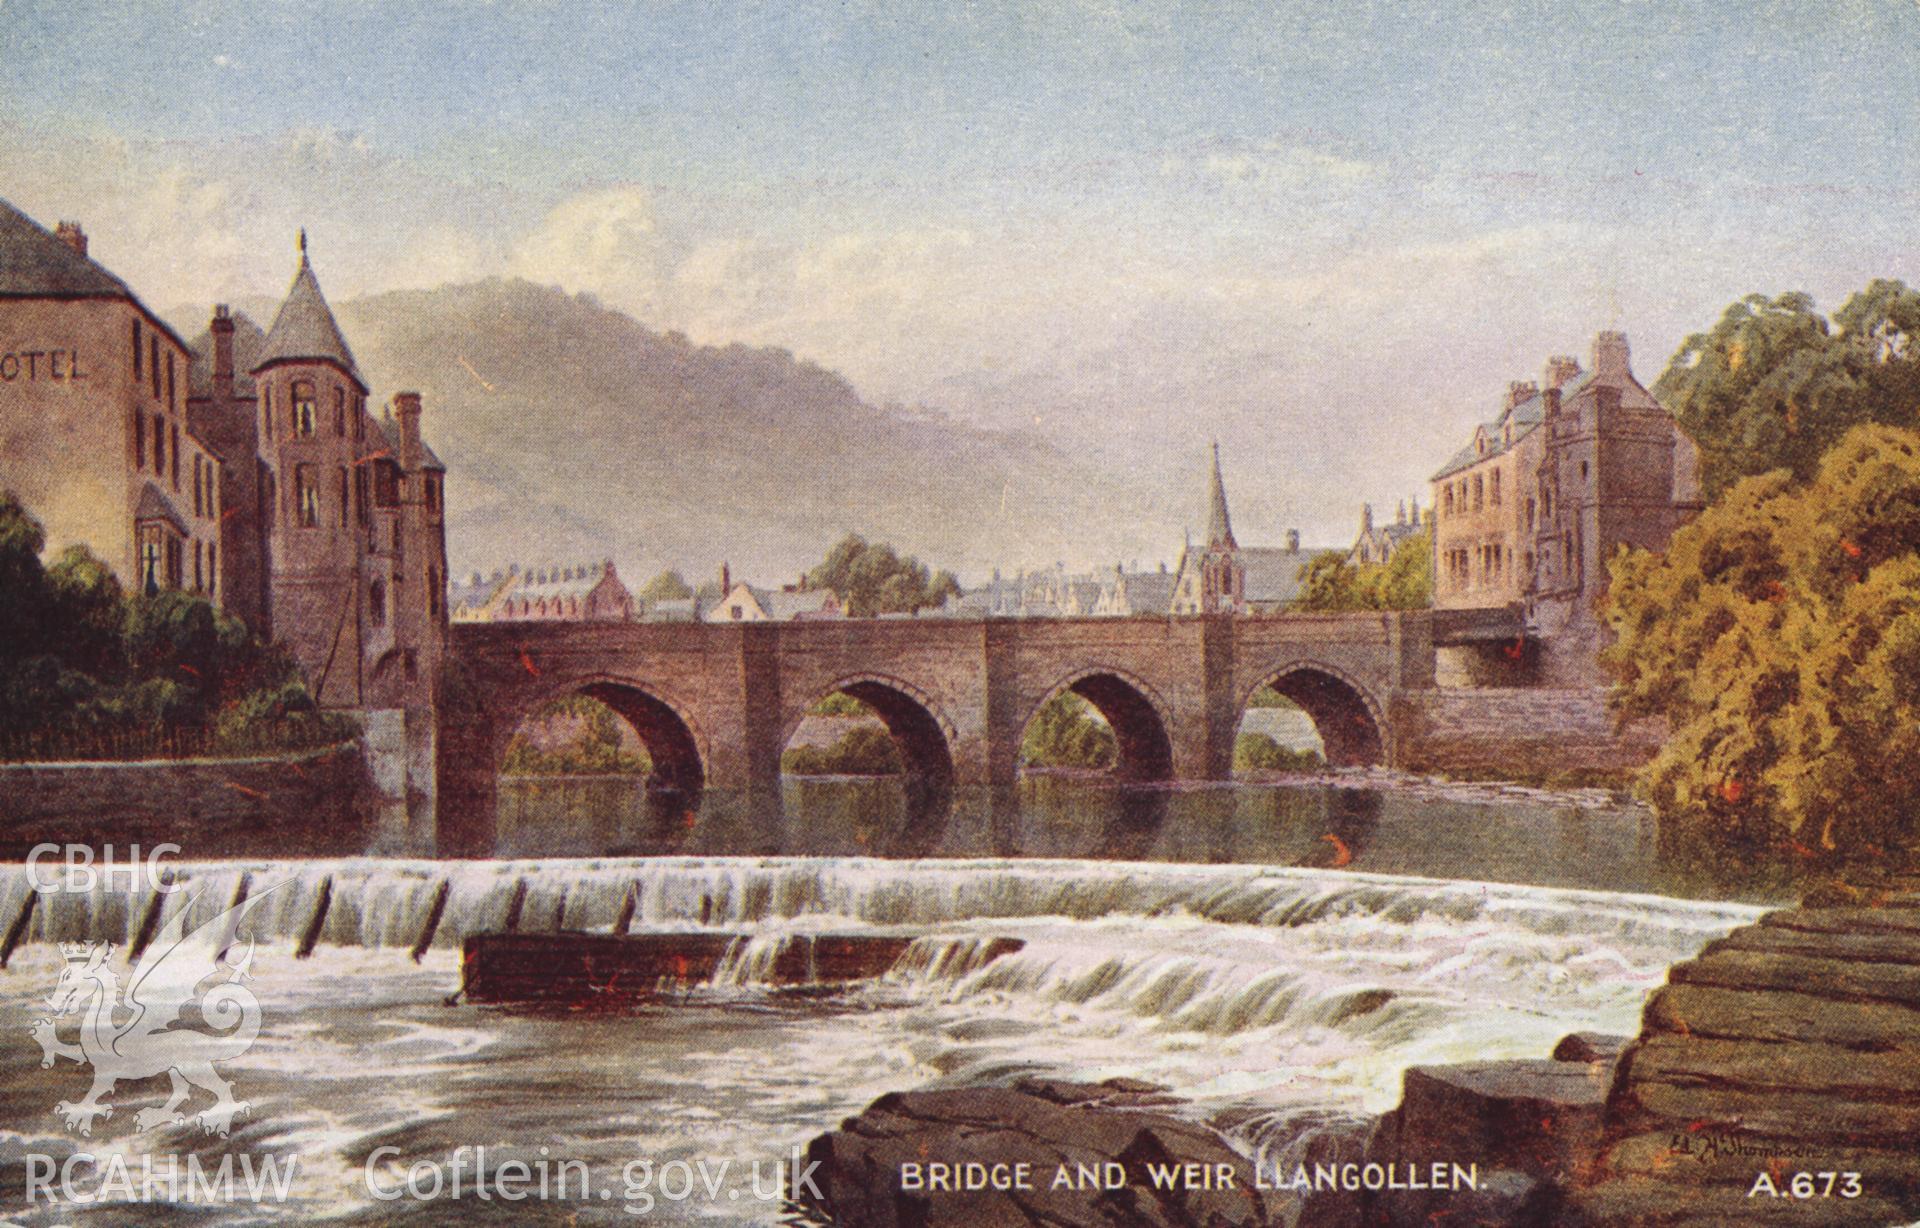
pixel 303 408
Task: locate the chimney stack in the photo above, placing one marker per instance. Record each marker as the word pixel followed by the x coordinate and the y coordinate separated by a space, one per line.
pixel 1611 361
pixel 726 579
pixel 1293 541
pixel 71 234
pixel 1561 369
pixel 222 330
pixel 1520 390
pixel 406 407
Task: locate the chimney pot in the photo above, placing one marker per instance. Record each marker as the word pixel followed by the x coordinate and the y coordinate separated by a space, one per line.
pixel 1520 390
pixel 1561 368
pixel 1293 543
pixel 71 234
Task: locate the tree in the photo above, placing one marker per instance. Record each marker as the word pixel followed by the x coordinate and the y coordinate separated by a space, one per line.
pixel 1780 637
pixel 1775 384
pixel 1329 584
pixel 876 579
pixel 667 586
pixel 1068 732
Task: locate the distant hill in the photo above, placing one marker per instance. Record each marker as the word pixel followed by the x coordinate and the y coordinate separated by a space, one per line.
pixel 573 432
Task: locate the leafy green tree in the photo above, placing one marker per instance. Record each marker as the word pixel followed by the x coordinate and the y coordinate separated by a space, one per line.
pixel 667 586
pixel 1329 584
pixel 1775 384
pixel 1068 732
pixel 876 579
pixel 1779 635
pixel 594 745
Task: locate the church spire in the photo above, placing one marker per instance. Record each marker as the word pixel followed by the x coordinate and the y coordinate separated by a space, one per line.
pixel 1219 527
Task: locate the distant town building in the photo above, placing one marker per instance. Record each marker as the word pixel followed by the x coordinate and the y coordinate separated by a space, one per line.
pixel 1224 577
pixel 581 592
pixel 748 603
pixel 95 435
pixel 1377 543
pixel 1571 468
pixel 1133 593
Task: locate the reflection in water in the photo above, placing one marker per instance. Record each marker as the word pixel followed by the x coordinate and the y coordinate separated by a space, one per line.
pixel 1069 815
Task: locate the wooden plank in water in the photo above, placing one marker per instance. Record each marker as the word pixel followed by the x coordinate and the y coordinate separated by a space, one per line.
pixel 601 968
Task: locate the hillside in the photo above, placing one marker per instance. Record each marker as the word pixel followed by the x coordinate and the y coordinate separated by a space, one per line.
pixel 573 432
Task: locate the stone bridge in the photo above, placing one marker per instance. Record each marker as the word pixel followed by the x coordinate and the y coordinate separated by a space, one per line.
pixel 716 703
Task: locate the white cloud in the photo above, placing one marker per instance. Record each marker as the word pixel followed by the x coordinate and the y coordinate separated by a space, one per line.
pixel 606 242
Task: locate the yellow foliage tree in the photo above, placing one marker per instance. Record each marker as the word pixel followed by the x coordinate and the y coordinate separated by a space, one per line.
pixel 1780 636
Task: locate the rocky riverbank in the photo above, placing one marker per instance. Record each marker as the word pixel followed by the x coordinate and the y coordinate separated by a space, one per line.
pixel 1775 1080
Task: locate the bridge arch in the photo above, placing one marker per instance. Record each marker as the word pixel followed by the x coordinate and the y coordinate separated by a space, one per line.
pixel 921 731
pixel 673 741
pixel 1351 723
pixel 1140 719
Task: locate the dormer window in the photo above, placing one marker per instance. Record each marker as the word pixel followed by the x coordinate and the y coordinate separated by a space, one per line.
pixel 303 408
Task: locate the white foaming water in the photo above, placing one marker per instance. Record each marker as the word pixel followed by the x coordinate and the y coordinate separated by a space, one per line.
pixel 1264 996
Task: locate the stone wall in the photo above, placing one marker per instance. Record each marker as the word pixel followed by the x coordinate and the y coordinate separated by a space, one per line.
pixel 315 804
pixel 1515 732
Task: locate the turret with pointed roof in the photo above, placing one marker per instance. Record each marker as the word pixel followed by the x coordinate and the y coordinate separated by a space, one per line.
pixel 305 330
pixel 1219 525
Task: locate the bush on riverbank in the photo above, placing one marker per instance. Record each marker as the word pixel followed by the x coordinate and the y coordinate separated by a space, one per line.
pixel 1259 752
pixel 864 750
pixel 575 736
pixel 89 671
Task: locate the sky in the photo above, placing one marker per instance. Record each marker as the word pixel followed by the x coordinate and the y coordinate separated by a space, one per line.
pixel 1327 235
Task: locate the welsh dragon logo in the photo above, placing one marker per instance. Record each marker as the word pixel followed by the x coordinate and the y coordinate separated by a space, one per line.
pixel 150 1032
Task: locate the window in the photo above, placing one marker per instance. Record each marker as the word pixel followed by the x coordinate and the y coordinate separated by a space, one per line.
pixel 266 411
pixel 303 409
pixel 1479 492
pixel 432 487
pixel 199 509
pixel 360 493
pixel 1447 500
pixel 153 362
pixel 213 567
pixel 199 576
pixel 173 444
pixel 139 439
pixel 136 350
pixel 1583 471
pixel 173 402
pixel 1493 496
pixel 386 484
pixel 1530 509
pixel 306 497
pixel 159 446
pixel 359 416
pixel 339 411
pixel 346 501
pixel 397 551
pixel 269 496
pixel 176 562
pixel 377 603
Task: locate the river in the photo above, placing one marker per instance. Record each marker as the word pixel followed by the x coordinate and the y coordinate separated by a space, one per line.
pixel 1276 954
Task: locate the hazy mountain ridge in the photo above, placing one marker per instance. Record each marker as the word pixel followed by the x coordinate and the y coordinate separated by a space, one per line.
pixel 572 431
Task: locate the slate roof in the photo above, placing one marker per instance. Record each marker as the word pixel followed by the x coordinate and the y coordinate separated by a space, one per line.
pixel 390 435
pixel 474 594
pixel 304 328
pixel 154 506
pixel 1150 592
pixel 35 263
pixel 1525 416
pixel 248 341
pixel 1273 572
